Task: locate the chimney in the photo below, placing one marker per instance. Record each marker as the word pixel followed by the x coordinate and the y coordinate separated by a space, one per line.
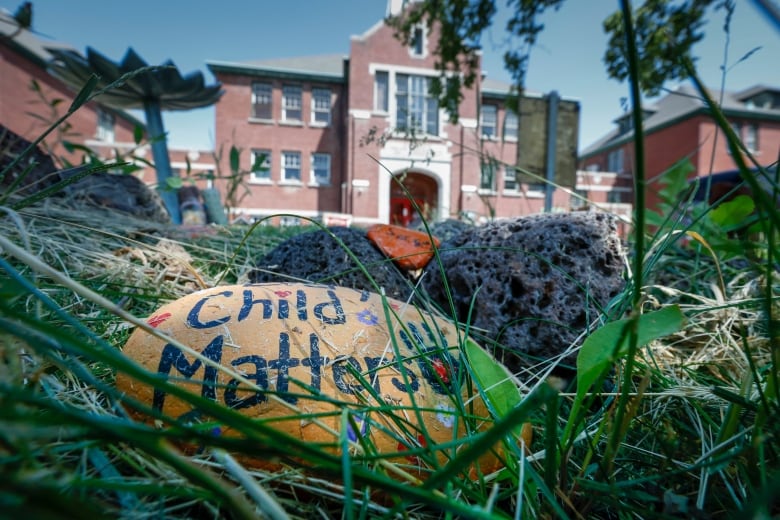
pixel 395 7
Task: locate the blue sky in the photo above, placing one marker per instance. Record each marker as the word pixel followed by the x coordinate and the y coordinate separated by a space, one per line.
pixel 567 57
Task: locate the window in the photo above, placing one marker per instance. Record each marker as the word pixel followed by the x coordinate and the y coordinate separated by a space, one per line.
pixel 510 126
pixel 487 178
pixel 261 101
pixel 320 169
pixel 614 197
pixel 578 199
pixel 488 121
pixel 291 103
pixel 291 167
pixel 105 126
pixel 418 42
pixel 260 165
pixel 416 109
pixel 510 179
pixel 320 106
pixel 381 90
pixel 288 220
pixel 751 137
pixel 615 161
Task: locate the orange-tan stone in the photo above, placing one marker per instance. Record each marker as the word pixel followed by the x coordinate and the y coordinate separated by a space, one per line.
pixel 410 249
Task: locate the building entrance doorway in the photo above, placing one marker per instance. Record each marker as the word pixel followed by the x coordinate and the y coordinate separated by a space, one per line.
pixel 422 188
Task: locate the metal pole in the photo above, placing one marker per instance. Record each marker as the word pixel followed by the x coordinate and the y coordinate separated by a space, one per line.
pixel 552 138
pixel 162 163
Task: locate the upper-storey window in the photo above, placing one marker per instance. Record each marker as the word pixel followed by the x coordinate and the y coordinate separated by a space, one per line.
pixel 615 161
pixel 489 121
pixel 510 126
pixel 292 101
pixel 320 106
pixel 261 101
pixel 751 137
pixel 105 126
pixel 418 42
pixel 416 109
pixel 381 91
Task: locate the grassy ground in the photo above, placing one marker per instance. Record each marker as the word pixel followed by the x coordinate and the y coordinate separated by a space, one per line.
pixel 690 433
pixel 673 413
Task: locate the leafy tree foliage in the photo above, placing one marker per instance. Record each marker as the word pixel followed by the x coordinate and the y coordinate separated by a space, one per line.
pixel 666 31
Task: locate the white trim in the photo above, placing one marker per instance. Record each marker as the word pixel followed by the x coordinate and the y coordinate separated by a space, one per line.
pixel 466 122
pixel 199 166
pixel 360 114
pixel 431 159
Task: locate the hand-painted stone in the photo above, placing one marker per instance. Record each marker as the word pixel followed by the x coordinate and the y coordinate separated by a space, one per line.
pixel 408 248
pixel 312 349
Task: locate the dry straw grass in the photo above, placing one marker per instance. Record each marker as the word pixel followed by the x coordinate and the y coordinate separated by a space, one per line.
pixel 140 266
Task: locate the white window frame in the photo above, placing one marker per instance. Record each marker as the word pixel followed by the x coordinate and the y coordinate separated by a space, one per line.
pixel 106 126
pixel 292 102
pixel 615 161
pixel 488 170
pixel 382 91
pixel 291 161
pixel 510 178
pixel 323 181
pixel 485 124
pixel 260 176
pixel 262 95
pixel 321 105
pixel 417 101
pixel 510 130
pixel 418 46
pixel 751 137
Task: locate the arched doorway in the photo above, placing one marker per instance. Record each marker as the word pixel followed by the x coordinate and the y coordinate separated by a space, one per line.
pixel 422 188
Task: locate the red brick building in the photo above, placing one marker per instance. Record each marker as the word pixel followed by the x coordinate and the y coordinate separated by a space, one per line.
pixel 337 133
pixel 31 100
pixel 680 126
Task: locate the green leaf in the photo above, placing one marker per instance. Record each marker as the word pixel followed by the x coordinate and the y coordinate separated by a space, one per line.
pixel 138 134
pixel 733 213
pixel 234 159
pixel 493 379
pixel 174 183
pixel 676 180
pixel 84 94
pixel 610 342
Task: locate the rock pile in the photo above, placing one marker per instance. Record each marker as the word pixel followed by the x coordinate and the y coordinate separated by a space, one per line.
pixel 528 286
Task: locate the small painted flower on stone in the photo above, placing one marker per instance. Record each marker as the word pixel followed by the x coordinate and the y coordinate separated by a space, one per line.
pixel 367 317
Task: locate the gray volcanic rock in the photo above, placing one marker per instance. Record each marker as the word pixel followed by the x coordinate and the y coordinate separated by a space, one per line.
pixel 533 284
pixel 317 257
pixel 446 229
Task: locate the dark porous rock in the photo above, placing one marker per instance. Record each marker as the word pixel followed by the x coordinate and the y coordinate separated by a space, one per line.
pixel 121 193
pixel 317 257
pixel 446 229
pixel 36 168
pixel 531 284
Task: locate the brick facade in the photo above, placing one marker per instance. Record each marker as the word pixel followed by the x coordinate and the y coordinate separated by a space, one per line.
pixel 679 126
pixel 370 148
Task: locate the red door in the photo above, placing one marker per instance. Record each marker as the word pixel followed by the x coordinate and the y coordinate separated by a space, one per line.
pixel 422 188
